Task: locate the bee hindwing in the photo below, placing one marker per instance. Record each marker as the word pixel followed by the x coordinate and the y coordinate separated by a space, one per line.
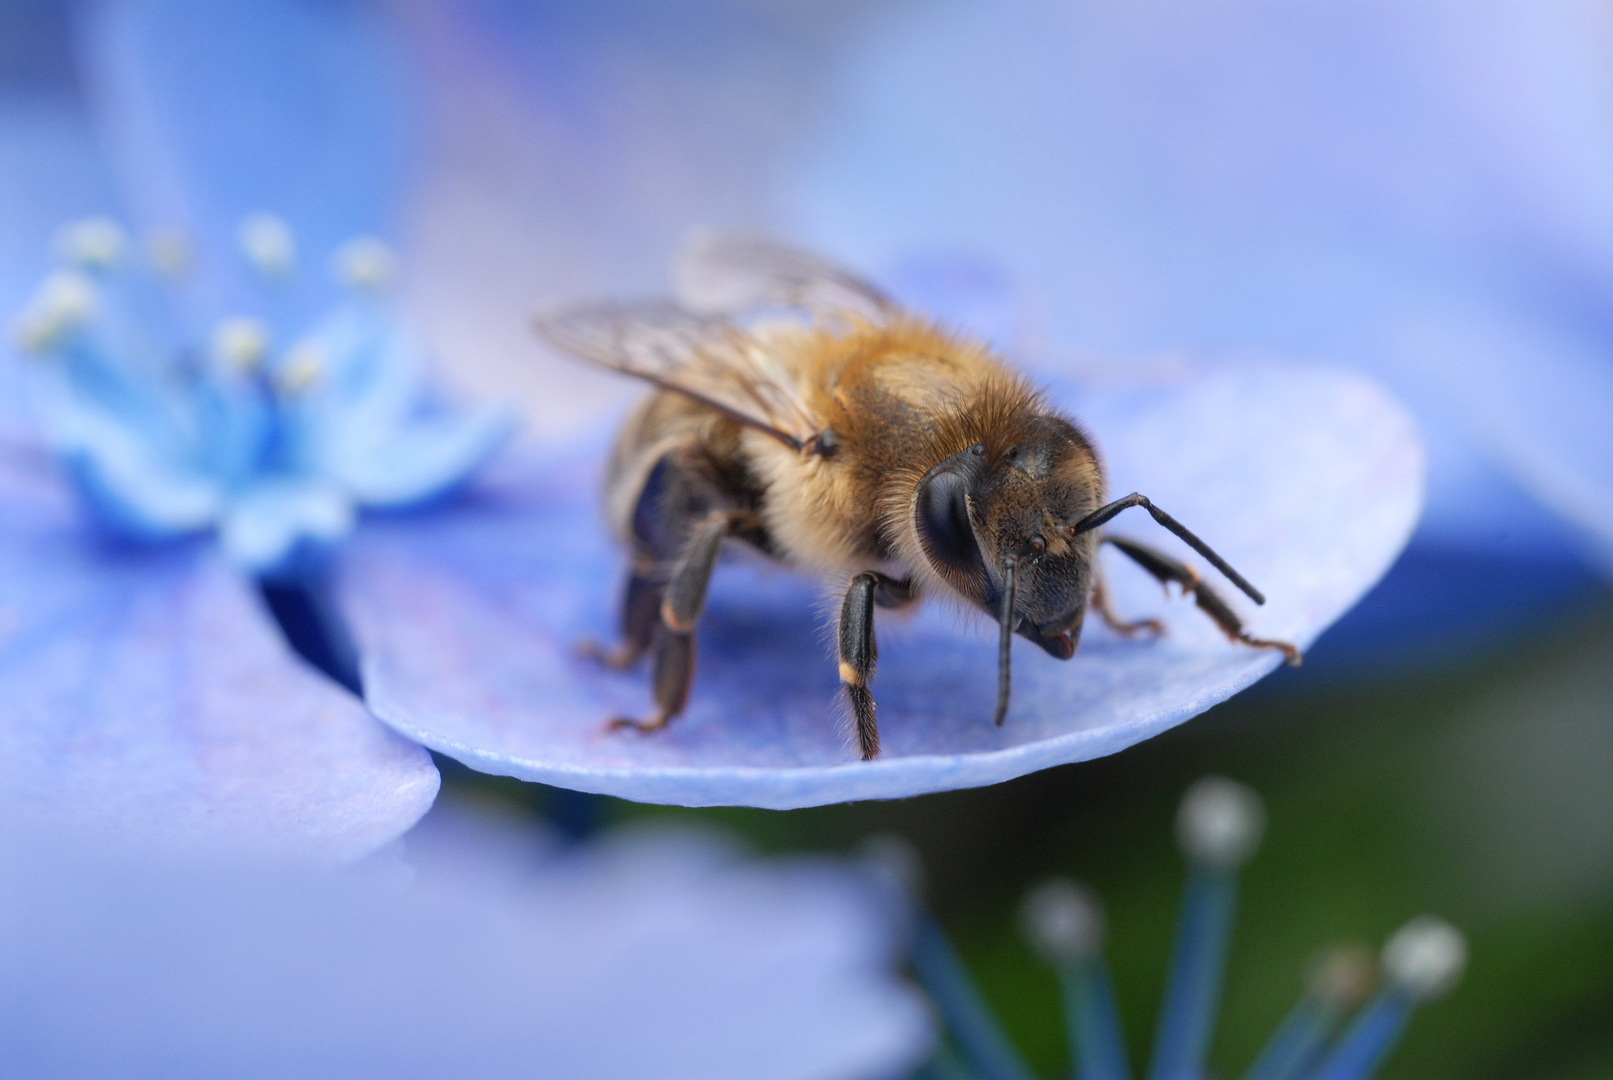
pixel 730 274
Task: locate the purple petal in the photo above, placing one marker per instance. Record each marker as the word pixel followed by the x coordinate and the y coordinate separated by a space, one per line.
pixel 1307 480
pixel 661 955
pixel 148 694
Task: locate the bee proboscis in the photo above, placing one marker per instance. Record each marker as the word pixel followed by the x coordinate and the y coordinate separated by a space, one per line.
pixel 861 443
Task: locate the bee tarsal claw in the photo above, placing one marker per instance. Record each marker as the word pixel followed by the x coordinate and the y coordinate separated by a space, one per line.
pixel 628 723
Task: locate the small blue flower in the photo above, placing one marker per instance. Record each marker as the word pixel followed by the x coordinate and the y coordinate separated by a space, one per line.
pixel 487 951
pixel 1219 827
pixel 258 400
pixel 273 438
pixel 272 449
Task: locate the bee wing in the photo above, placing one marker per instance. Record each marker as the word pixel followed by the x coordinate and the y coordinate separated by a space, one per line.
pixel 725 273
pixel 703 357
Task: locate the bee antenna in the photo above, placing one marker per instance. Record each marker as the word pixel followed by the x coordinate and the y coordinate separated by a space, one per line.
pixel 1005 641
pixel 1104 513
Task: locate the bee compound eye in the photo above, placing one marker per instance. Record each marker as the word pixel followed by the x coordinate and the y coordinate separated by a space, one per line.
pixel 941 515
pixel 1037 545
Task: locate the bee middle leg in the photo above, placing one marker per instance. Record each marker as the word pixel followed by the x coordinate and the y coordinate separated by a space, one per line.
pixel 859 651
pixel 681 602
pixel 1167 570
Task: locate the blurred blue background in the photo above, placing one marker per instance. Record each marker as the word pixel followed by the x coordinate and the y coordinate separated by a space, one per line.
pixel 1422 189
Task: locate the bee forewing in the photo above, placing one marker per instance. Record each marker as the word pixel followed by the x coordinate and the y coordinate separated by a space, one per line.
pixel 703 357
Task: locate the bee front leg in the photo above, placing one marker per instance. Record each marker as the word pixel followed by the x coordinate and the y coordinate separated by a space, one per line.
pixel 1167 569
pixel 1114 620
pixel 681 604
pixel 858 653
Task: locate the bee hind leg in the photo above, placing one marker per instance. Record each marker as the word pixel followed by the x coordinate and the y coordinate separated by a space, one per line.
pixel 674 670
pixel 1167 570
pixel 680 604
pixel 640 616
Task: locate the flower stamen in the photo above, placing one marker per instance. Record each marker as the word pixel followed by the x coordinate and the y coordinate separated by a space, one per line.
pixel 268 245
pixel 240 344
pixel 95 243
pixel 302 369
pixel 365 264
pixel 66 301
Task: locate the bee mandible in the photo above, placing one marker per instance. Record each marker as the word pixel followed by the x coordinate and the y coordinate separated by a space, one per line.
pixel 857 441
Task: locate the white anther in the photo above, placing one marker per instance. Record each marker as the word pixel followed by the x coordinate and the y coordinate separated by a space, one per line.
pixel 895 861
pixel 365 263
pixel 1062 920
pixel 268 245
pixel 1425 957
pixel 95 243
pixel 1342 978
pixel 1220 823
pixel 240 343
pixel 65 301
pixel 301 370
pixel 169 251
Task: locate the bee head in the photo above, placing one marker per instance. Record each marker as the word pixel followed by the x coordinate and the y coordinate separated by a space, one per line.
pixel 1016 495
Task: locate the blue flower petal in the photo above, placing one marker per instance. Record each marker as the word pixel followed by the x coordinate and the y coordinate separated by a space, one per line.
pixel 219 110
pixel 276 520
pixel 147 694
pixel 129 491
pixel 496 958
pixel 371 422
pixel 422 460
pixel 1308 480
pixel 1538 384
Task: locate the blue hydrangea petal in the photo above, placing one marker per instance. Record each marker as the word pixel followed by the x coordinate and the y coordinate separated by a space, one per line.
pixel 130 490
pixel 372 423
pixel 1308 480
pixel 422 460
pixel 496 957
pixel 1537 386
pixel 148 695
pixel 277 520
pixel 218 110
pixel 122 447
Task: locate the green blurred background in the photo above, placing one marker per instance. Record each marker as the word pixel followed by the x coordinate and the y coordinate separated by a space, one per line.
pixel 1478 788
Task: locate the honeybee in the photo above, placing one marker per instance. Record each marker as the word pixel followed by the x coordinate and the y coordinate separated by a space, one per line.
pixel 856 441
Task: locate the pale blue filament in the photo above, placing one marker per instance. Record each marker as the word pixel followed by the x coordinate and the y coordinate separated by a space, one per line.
pixel 1296 1044
pixel 1192 993
pixel 1370 1038
pixel 1096 1040
pixel 973 1027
